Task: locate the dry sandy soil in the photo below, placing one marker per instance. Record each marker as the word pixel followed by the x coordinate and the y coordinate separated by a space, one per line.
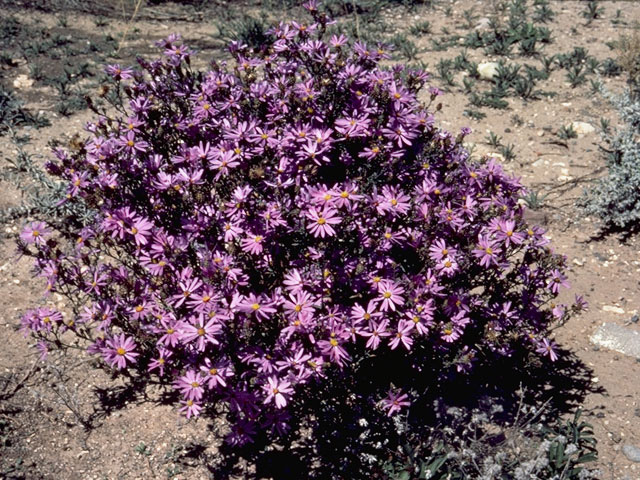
pixel 41 421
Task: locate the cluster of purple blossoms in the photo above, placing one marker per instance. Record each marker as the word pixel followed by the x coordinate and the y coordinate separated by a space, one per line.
pixel 261 225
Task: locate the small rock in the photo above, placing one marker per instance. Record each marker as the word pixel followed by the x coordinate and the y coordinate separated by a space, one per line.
pixel 578 262
pixel 618 338
pixel 538 162
pixel 631 452
pixel 483 24
pixel 540 133
pixel 583 128
pixel 22 82
pixel 613 309
pixel 496 155
pixel 487 70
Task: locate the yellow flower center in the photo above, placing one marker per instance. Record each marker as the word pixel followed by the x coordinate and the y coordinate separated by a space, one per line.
pixel 35 233
pixel 298 308
pixel 206 298
pixel 367 316
pixel 134 230
pixel 201 332
pixel 333 342
pixel 321 221
pixel 344 194
pixel 139 308
pixel 255 306
pixel 213 371
pixel 394 202
pixel 121 351
pixel 387 295
pixel 195 384
pixel 130 143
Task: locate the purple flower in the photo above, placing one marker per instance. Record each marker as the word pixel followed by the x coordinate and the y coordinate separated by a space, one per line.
pixel 395 402
pixel 487 251
pixel 545 347
pixel 119 350
pixel 321 221
pixel 191 385
pixel 402 336
pixel 277 391
pixel 390 295
pixel 375 332
pixel 35 232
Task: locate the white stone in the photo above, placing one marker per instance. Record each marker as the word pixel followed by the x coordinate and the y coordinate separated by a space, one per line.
pixel 496 155
pixel 487 70
pixel 538 162
pixel 483 24
pixel 618 338
pixel 583 128
pixel 613 309
pixel 22 82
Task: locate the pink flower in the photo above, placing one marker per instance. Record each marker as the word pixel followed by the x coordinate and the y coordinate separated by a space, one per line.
pixel 300 303
pixel 253 244
pixel 191 385
pixel 487 251
pixel 36 232
pixel 395 402
pixel 557 280
pixel 202 333
pixel 293 281
pixel 375 333
pixel 545 347
pixel 321 221
pixel 276 390
pixel 402 335
pixel 119 350
pixel 190 408
pixel 261 307
pixel 389 295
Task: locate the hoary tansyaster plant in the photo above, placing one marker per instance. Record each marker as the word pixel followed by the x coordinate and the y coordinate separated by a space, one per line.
pixel 270 224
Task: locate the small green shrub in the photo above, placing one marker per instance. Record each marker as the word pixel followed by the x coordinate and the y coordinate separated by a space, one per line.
pixel 615 198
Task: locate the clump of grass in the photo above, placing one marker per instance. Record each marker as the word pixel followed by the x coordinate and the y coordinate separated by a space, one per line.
pixel 628 50
pixel 14 114
pixel 247 29
pixel 592 11
pixel 566 132
pixel 420 28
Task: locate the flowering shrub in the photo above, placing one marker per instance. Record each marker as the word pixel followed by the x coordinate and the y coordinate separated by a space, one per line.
pixel 268 227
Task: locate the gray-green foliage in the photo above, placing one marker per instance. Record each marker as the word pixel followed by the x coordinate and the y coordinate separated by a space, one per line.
pixel 41 194
pixel 615 198
pixel 14 114
pixel 475 444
